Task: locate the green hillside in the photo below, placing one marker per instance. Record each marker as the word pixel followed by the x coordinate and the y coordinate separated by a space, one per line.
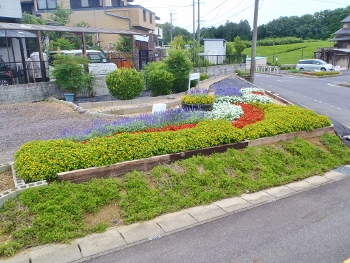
pixel 289 54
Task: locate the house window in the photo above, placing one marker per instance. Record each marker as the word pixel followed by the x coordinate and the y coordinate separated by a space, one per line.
pixel 144 15
pixel 116 3
pixel 46 4
pixel 150 18
pixel 84 3
pixel 94 3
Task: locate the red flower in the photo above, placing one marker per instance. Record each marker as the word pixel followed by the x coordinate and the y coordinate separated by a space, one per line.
pixel 251 115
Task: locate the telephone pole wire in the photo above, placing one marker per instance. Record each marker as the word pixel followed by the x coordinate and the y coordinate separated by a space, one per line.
pixel 254 39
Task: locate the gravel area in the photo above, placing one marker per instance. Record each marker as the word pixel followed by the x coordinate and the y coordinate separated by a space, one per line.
pixel 24 122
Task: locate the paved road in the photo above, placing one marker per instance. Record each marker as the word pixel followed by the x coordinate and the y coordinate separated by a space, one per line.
pixel 319 94
pixel 311 227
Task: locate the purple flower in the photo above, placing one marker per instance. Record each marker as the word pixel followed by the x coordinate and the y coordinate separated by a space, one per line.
pixel 227 91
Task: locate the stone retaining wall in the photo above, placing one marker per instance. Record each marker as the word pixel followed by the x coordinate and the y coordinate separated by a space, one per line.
pixel 42 90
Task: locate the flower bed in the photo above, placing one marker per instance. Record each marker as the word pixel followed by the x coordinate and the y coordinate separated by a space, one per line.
pixel 140 137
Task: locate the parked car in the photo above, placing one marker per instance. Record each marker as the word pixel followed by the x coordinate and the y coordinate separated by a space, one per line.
pixel 6 77
pixel 98 62
pixel 314 65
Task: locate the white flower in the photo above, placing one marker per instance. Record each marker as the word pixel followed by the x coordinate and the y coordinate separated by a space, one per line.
pixel 225 110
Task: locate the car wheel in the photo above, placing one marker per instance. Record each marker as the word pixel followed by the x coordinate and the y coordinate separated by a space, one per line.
pixel 3 82
pixel 323 69
pixel 302 69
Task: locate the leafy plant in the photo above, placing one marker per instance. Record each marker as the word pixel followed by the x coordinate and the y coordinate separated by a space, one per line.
pixel 125 83
pixel 180 66
pixel 203 76
pixel 70 73
pixel 160 82
pixel 198 99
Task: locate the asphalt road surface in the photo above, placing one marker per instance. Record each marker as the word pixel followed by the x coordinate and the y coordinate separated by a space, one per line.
pixel 311 227
pixel 319 94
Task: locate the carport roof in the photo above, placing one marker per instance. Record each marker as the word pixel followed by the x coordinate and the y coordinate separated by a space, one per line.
pixel 32 27
pixel 16 33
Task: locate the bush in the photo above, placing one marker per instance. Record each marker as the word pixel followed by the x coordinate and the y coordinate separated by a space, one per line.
pixel 160 82
pixel 125 83
pixel 194 83
pixel 203 76
pixel 148 68
pixel 70 74
pixel 180 66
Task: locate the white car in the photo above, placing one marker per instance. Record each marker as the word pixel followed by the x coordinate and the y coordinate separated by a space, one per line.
pixel 98 62
pixel 314 65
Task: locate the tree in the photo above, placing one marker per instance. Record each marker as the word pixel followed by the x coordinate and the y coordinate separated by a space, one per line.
pixel 177 43
pixel 61 15
pixel 30 19
pixel 239 45
pixel 123 44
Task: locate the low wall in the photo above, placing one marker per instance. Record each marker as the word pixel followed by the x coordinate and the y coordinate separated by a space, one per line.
pixel 42 90
pixel 219 70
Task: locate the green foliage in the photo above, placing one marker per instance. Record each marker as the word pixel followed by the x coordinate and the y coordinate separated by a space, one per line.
pixel 125 83
pixel 322 73
pixel 203 76
pixel 123 44
pixel 239 45
pixel 160 82
pixel 241 73
pixel 55 213
pixel 61 14
pixel 148 68
pixel 177 43
pixel 230 48
pixel 291 53
pixel 180 66
pixel 34 162
pixel 193 83
pixel 198 99
pixel 277 41
pixel 167 27
pixel 62 43
pixel 70 74
pixel 30 19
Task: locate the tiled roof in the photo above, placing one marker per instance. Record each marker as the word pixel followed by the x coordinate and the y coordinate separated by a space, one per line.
pixel 346 20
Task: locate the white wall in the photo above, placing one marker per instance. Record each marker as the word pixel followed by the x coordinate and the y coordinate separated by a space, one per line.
pixel 10 9
pixel 215 47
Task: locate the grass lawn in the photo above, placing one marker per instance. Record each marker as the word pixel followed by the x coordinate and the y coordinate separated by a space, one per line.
pixel 289 54
pixel 61 212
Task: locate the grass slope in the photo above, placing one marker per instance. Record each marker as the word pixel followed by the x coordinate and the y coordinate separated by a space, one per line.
pixel 57 213
pixel 289 54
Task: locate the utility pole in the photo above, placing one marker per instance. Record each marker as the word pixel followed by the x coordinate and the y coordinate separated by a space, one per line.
pixel 254 39
pixel 194 34
pixel 171 25
pixel 199 29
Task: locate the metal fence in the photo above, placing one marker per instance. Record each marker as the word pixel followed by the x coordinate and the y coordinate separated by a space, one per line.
pixel 210 60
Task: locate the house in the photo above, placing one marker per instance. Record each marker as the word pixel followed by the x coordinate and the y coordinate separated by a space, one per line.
pixel 108 14
pixel 339 55
pixel 215 50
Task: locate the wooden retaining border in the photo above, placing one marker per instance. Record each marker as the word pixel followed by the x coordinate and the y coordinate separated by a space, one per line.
pixel 146 164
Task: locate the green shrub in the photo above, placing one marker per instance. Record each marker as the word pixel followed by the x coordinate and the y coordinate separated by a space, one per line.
pixel 148 68
pixel 241 73
pixel 125 83
pixel 70 73
pixel 160 82
pixel 180 66
pixel 193 83
pixel 322 73
pixel 203 76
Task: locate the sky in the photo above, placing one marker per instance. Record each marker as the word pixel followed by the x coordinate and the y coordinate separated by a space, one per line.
pixel 216 13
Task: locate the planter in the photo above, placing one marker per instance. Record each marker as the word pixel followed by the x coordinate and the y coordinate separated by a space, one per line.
pixel 205 107
pixel 69 97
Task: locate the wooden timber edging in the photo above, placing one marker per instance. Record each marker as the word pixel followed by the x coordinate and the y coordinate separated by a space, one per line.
pixel 146 164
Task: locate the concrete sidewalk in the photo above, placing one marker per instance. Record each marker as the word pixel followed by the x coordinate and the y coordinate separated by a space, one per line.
pixel 116 238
